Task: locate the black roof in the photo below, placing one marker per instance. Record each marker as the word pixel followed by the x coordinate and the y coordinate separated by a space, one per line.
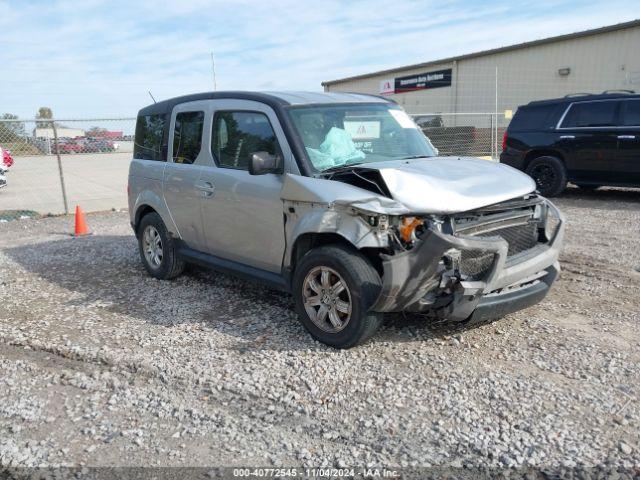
pixel 274 99
pixel 579 97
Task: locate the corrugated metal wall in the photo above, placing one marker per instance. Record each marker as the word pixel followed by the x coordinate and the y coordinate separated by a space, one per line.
pixel 603 61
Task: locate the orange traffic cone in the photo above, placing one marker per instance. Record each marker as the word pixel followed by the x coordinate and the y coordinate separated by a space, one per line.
pixel 81 224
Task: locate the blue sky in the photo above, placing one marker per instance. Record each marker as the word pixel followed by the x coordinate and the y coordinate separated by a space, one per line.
pixel 96 58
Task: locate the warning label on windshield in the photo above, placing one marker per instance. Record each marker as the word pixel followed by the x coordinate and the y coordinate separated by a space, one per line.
pixel 361 130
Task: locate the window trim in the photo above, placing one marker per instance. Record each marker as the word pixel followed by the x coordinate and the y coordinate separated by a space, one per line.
pixel 609 127
pixel 212 137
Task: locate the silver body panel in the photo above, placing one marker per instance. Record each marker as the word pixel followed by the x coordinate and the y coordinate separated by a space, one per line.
pixel 445 185
pixel 180 189
pixel 243 218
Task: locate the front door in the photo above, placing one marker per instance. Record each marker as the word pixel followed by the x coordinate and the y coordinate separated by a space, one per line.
pixel 181 187
pixel 626 168
pixel 244 218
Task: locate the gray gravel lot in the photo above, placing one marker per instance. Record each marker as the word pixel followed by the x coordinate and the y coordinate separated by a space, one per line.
pixel 102 365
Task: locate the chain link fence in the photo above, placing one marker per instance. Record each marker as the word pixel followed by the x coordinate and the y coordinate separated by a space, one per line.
pixel 464 134
pixel 58 164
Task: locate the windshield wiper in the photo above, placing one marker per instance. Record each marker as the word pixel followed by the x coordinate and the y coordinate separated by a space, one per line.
pixel 412 157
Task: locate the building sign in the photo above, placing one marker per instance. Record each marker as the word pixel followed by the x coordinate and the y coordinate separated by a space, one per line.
pixel 387 87
pixel 423 81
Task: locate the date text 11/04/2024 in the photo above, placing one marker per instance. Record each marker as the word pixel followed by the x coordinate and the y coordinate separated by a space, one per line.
pixel 315 472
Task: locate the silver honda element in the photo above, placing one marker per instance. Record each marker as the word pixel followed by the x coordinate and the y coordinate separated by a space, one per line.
pixel 342 201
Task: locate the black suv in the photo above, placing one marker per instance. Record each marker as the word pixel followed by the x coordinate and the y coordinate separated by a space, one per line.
pixel 589 140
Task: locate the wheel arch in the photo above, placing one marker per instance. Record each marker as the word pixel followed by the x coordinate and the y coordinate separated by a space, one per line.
pixel 542 152
pixel 141 211
pixel 148 201
pixel 307 241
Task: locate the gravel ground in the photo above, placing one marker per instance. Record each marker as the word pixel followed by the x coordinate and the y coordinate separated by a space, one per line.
pixel 102 365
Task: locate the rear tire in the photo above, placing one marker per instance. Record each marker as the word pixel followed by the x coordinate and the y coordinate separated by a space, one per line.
pixel 158 249
pixel 549 174
pixel 342 319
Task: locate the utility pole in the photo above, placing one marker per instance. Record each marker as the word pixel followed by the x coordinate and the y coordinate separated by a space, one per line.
pixel 213 72
pixel 60 172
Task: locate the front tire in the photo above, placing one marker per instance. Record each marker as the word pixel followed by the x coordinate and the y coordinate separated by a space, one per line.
pixel 549 174
pixel 334 287
pixel 158 249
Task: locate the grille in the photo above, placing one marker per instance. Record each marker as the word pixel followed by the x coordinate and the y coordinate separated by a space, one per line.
pixel 475 264
pixel 519 237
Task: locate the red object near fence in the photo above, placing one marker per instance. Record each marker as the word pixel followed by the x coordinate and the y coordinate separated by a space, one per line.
pixel 7 159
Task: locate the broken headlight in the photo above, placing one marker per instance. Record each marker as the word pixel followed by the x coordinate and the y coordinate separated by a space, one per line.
pixel 410 229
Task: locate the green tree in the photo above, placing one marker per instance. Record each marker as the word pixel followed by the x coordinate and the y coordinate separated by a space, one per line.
pixel 10 131
pixel 44 112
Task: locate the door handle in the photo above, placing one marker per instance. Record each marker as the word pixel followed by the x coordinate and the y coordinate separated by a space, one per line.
pixel 626 137
pixel 567 137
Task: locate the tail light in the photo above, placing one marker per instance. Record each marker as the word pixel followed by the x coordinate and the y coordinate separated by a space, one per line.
pixel 504 141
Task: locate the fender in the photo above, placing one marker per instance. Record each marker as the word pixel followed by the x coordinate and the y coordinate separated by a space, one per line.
pixel 152 199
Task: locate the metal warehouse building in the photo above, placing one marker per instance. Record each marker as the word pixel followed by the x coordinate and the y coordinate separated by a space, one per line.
pixel 499 80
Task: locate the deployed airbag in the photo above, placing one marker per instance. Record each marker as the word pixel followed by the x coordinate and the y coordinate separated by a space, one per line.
pixel 336 149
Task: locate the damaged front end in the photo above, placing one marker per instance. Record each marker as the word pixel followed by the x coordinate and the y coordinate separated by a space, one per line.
pixel 475 265
pixel 479 264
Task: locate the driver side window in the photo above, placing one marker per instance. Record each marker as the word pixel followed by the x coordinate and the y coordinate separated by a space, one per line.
pixel 237 135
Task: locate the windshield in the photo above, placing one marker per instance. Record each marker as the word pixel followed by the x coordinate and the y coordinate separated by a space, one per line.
pixel 340 135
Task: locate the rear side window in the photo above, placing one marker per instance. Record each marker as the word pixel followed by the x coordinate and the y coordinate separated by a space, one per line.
pixel 148 139
pixel 237 135
pixel 591 114
pixel 187 136
pixel 631 113
pixel 532 118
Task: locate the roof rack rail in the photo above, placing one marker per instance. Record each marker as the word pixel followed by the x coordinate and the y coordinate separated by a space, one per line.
pixel 581 94
pixel 621 90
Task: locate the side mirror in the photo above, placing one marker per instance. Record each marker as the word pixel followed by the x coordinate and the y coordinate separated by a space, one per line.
pixel 264 162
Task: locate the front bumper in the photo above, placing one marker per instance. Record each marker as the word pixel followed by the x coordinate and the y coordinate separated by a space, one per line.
pixel 414 280
pixel 494 306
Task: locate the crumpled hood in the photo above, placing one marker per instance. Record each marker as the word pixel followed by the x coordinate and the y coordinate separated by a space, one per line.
pixel 445 185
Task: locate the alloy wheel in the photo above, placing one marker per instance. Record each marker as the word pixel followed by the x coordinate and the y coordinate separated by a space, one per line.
pixel 327 299
pixel 152 246
pixel 544 176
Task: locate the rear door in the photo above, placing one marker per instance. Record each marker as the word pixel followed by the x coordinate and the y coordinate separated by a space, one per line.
pixel 626 168
pixel 244 217
pixel 181 189
pixel 587 133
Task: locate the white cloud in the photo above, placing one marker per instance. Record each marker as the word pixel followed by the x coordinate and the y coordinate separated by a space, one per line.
pixel 100 57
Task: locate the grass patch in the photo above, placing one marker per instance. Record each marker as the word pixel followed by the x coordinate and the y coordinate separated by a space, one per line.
pixel 8 215
pixel 21 148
